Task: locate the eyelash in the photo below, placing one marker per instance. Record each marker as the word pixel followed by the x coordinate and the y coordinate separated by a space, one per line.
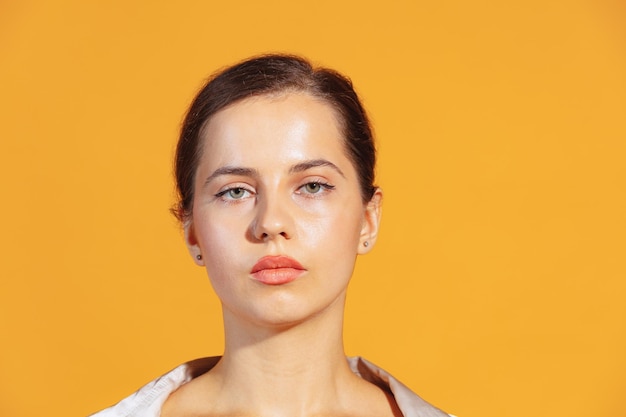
pixel 223 193
pixel 325 187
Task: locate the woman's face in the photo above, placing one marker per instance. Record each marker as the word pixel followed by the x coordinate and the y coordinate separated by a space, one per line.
pixel 278 216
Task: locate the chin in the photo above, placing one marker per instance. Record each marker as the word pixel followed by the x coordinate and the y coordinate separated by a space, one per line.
pixel 284 314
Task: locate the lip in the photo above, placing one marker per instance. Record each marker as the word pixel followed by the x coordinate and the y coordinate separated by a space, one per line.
pixel 276 270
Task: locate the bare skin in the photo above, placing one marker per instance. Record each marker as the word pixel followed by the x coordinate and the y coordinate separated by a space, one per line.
pixel 285 375
pixel 284 354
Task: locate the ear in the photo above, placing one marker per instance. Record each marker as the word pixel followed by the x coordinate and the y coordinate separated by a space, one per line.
pixel 192 243
pixel 371 222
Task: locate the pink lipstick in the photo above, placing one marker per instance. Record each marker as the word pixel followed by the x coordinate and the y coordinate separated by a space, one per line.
pixel 276 270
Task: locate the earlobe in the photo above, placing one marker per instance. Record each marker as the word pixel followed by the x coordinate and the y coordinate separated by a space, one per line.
pixel 192 243
pixel 371 222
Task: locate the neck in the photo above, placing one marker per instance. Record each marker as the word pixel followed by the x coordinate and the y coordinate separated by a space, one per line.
pixel 285 369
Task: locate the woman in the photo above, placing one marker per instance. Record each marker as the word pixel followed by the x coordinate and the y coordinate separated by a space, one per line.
pixel 275 173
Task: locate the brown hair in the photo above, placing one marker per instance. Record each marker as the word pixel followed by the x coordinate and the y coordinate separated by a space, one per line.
pixel 272 74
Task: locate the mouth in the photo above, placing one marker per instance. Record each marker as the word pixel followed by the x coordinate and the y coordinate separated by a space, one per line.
pixel 276 270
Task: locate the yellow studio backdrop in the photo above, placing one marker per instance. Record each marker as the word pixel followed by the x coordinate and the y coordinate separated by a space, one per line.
pixel 497 287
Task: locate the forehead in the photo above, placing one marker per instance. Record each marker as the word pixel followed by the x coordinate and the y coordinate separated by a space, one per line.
pixel 273 128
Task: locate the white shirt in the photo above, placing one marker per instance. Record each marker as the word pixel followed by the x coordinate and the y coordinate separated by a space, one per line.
pixel 147 402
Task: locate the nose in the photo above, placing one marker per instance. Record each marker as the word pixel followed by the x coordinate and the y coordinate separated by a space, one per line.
pixel 272 220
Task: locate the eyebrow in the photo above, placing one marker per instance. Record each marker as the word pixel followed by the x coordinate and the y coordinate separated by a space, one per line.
pixel 313 163
pixel 230 170
pixel 251 172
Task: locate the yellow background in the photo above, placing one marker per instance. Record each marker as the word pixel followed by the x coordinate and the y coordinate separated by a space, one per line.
pixel 498 287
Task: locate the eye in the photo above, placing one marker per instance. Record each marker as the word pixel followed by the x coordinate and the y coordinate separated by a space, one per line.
pixel 314 187
pixel 235 193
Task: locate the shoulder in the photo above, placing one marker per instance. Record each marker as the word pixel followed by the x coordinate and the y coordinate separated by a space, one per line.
pixel 149 399
pixel 409 403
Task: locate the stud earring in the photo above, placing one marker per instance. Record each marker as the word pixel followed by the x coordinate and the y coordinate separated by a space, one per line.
pixel 366 243
pixel 199 257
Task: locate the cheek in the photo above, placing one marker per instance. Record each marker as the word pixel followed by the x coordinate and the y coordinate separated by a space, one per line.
pixel 219 239
pixel 221 249
pixel 337 249
pixel 351 218
pixel 340 229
